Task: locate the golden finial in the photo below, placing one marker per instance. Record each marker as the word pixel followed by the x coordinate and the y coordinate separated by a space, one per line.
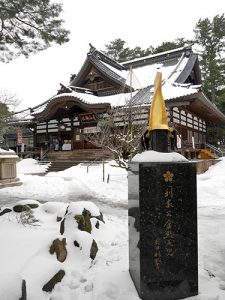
pixel 158 116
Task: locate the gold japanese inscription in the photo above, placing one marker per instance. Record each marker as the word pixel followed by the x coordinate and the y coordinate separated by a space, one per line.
pixel 168 225
pixel 169 205
pixel 169 192
pixel 169 248
pixel 157 255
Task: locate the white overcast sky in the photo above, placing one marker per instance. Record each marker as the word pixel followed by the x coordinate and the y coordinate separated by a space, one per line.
pixel 139 23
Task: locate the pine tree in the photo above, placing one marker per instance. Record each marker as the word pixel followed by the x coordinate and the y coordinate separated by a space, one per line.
pixel 116 50
pixel 211 36
pixel 166 46
pixel 28 26
pixel 4 114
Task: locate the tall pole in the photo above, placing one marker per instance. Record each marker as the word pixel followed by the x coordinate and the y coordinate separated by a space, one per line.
pixel 130 103
pixel 131 89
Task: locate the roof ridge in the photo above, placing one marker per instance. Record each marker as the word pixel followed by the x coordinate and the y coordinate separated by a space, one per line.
pixel 102 56
pixel 187 49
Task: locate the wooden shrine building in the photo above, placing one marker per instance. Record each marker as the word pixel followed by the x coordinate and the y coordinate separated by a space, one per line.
pixel 103 84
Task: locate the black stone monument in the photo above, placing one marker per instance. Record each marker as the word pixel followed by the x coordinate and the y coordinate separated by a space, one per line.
pixel 163 251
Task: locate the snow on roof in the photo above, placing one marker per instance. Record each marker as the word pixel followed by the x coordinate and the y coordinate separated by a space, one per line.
pixel 145 76
pixel 114 100
pixel 120 73
pixel 171 91
pixel 154 55
pixel 140 78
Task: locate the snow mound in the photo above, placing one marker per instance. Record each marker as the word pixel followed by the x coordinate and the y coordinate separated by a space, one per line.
pixel 10 286
pixel 30 165
pixel 154 156
pixel 76 208
pixel 27 202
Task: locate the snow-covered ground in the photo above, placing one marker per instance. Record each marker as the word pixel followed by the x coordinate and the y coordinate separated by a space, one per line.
pixel 25 249
pixel 81 182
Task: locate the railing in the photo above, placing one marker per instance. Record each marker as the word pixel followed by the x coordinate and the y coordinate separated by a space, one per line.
pixel 43 153
pixel 189 152
pixel 214 150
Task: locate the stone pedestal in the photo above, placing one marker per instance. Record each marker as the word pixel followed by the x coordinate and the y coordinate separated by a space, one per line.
pixel 163 229
pixel 8 175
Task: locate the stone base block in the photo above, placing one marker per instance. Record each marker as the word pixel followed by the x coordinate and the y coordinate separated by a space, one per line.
pixel 10 182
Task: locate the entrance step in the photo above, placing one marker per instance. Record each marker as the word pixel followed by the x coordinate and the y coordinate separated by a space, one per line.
pixel 57 166
pixel 79 155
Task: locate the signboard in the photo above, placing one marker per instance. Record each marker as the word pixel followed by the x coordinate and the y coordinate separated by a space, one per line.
pixel 19 136
pixel 193 142
pixel 87 118
pixel 22 147
pixel 91 130
pixel 179 145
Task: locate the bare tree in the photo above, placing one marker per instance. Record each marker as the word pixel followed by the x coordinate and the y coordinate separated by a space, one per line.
pixel 120 131
pixel 8 105
pixel 10 99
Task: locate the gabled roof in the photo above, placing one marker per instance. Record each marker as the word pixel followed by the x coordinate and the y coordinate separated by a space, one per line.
pixel 181 82
pixel 179 65
pixel 69 104
pixel 108 68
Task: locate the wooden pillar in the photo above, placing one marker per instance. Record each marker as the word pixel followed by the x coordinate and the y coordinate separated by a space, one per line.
pixel 171 115
pixel 47 136
pixel 35 136
pixel 72 131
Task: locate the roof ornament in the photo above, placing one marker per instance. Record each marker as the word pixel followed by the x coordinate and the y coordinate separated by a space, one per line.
pixel 157 130
pixel 72 77
pixel 158 115
pixel 64 89
pixel 92 48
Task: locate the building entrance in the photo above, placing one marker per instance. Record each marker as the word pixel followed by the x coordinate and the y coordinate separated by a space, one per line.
pixel 61 142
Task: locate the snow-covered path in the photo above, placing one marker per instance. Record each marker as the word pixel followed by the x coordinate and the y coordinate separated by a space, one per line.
pixel 109 277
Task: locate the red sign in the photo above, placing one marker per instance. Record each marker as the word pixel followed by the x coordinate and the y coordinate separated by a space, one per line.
pixel 19 136
pixel 87 118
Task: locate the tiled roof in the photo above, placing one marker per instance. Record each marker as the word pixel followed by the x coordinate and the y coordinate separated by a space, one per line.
pixel 107 70
pixel 176 66
pixel 159 57
pixel 109 61
pixel 169 90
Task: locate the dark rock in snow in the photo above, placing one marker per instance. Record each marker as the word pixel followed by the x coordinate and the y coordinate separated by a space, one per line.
pixel 97 224
pixel 33 205
pixel 24 291
pixel 5 211
pixel 62 227
pixel 19 207
pixel 58 219
pixel 84 223
pixel 94 250
pixel 76 244
pixel 100 218
pixel 49 286
pixel 59 247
